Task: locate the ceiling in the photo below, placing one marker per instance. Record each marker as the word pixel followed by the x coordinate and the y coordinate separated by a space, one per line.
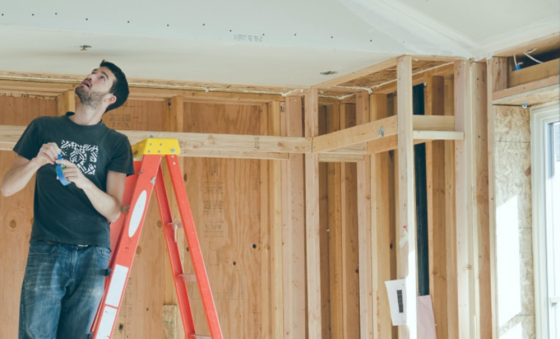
pixel 266 42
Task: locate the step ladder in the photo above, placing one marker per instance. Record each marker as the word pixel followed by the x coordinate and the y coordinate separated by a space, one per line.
pixel 125 235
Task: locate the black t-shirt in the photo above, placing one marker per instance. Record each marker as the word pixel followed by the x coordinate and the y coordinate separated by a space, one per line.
pixel 64 213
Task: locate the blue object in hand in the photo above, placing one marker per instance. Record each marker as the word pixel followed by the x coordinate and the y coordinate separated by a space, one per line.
pixel 61 177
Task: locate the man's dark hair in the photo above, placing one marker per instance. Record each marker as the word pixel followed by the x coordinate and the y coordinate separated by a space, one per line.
pixel 120 86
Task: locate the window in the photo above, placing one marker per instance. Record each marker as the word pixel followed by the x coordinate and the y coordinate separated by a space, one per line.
pixel 545 146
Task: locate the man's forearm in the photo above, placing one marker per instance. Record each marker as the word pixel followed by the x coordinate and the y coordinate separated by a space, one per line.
pixel 18 177
pixel 105 204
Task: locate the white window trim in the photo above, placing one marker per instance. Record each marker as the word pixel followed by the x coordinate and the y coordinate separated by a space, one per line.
pixel 540 116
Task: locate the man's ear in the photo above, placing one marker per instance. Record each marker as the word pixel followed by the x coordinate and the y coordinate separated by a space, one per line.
pixel 110 99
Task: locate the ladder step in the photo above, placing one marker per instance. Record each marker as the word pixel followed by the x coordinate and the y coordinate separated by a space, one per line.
pixel 188 277
pixel 177 224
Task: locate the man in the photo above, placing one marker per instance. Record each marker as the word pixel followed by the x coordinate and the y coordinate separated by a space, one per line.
pixel 69 248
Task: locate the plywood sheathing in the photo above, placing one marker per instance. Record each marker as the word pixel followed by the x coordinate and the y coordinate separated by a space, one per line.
pixel 225 197
pixel 513 201
pixel 16 214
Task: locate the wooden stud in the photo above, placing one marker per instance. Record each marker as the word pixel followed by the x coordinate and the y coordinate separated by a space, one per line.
pixel 349 237
pixel 407 224
pixel 383 227
pixel 324 233
pixel 365 246
pixel 464 211
pixel 293 233
pixel 435 177
pixel 274 284
pixel 495 69
pixel 335 232
pixel 66 102
pixel 482 259
pixel 312 218
pixel 450 219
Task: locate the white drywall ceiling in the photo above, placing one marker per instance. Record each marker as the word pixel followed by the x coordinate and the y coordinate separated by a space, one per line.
pixel 270 42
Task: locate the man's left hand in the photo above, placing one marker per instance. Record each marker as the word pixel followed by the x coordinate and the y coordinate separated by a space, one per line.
pixel 74 174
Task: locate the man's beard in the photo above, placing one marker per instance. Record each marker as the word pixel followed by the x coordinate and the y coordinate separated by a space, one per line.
pixel 90 99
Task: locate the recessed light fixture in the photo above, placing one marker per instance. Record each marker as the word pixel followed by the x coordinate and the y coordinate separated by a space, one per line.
pixel 84 48
pixel 329 73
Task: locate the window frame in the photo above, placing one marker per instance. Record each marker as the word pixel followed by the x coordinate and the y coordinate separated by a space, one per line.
pixel 541 116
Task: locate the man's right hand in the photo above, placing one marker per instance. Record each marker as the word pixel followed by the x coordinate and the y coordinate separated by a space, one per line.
pixel 48 154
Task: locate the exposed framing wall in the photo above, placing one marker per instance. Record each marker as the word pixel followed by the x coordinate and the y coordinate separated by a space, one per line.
pixel 288 143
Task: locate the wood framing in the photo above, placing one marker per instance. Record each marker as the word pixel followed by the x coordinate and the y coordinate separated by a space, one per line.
pixel 272 288
pixel 464 209
pixel 380 132
pixel 312 225
pixel 496 67
pixel 533 93
pixel 66 102
pixel 382 209
pixel 407 256
pixel 365 247
pixel 435 179
pixel 293 230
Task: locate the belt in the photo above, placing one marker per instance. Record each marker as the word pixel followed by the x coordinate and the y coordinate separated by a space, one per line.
pixel 64 244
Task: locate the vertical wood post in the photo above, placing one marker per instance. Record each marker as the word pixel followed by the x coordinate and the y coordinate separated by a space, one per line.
pixel 273 287
pixel 383 226
pixel 312 217
pixel 464 210
pixel 293 234
pixel 406 266
pixel 365 250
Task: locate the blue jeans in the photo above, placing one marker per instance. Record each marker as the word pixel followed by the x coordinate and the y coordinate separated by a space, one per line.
pixel 61 290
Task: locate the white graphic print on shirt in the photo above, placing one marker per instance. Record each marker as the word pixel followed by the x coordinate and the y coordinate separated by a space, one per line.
pixel 84 156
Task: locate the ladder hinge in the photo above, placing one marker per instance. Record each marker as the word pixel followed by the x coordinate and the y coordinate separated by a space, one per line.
pixel 188 277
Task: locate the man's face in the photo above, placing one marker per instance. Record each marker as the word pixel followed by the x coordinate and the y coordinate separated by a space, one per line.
pixel 94 90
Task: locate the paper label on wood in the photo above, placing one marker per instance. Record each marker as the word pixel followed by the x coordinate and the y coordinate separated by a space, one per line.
pixel 396 290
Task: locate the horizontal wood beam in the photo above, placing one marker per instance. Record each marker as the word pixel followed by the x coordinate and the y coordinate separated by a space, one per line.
pixel 533 73
pixel 17 88
pixel 438 135
pixel 533 93
pixel 391 143
pixel 379 129
pixel 233 146
pixel 73 80
pixel 355 135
